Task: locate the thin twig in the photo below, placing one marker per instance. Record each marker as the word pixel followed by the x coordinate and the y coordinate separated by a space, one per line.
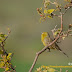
pixel 66 10
pixel 4 51
pixel 67 33
pixel 2 43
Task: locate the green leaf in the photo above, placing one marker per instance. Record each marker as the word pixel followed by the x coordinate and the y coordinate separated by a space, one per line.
pixel 9 54
pixel 50 11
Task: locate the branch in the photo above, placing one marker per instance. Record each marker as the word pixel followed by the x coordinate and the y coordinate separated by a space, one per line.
pixel 4 51
pixel 2 43
pixel 66 10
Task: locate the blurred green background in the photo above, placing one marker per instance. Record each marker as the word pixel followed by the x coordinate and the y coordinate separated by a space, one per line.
pixel 24 41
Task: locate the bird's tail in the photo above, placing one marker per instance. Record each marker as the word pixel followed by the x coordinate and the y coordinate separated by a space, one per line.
pixel 64 53
pixel 58 48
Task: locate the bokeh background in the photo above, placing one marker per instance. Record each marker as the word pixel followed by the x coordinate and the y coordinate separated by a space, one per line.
pixel 24 41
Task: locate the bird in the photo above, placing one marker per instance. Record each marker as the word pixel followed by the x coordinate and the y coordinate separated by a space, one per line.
pixel 46 40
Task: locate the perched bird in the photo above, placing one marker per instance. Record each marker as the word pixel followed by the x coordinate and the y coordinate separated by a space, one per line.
pixel 46 40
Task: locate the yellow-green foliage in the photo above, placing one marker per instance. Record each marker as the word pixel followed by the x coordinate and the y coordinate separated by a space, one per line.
pixel 45 69
pixel 5 61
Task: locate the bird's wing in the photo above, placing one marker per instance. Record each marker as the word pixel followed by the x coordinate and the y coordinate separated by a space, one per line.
pixel 46 41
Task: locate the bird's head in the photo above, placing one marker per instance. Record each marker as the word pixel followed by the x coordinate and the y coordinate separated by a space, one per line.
pixel 44 34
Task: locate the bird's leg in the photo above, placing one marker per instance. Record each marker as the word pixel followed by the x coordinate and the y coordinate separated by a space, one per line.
pixel 49 49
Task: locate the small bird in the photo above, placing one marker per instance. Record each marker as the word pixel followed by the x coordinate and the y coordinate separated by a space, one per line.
pixel 46 40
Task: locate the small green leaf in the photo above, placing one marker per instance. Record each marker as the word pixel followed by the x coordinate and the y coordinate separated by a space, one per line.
pixel 9 54
pixel 50 11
